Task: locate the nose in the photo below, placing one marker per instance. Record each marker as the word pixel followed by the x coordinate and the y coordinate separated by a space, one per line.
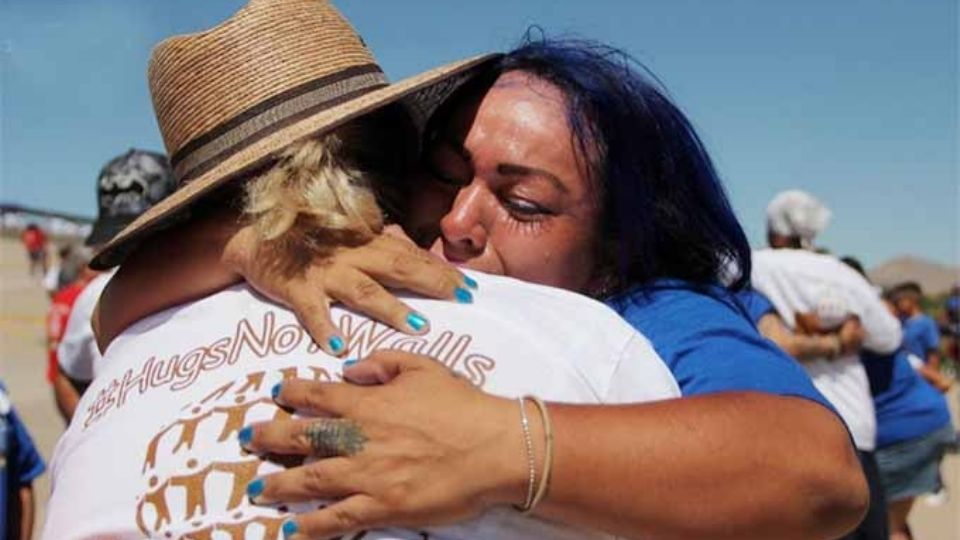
pixel 464 234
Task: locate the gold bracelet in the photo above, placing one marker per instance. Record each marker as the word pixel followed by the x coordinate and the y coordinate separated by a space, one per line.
pixel 548 454
pixel 531 460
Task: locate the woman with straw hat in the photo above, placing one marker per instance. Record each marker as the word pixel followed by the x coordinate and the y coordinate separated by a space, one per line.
pixel 153 449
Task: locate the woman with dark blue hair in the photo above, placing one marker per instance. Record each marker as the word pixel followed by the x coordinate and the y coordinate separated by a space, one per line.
pixel 567 166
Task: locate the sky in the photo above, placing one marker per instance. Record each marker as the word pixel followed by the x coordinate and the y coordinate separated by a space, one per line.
pixel 855 101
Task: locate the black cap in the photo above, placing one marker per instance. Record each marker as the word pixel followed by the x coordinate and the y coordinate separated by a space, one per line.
pixel 127 186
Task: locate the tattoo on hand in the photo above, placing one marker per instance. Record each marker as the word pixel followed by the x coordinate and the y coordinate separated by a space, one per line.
pixel 334 437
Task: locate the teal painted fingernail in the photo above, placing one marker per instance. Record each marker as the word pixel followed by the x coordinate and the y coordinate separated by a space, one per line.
pixel 275 391
pixel 462 295
pixel 336 344
pixel 255 488
pixel 416 321
pixel 290 528
pixel 245 435
pixel 470 282
pixel 350 362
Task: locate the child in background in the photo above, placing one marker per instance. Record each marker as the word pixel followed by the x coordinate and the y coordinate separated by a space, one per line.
pixel 921 337
pixel 20 464
pixel 35 242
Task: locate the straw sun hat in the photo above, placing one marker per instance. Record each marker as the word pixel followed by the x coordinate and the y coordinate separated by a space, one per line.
pixel 278 71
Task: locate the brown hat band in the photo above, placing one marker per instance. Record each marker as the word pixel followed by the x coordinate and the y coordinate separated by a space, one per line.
pixel 206 151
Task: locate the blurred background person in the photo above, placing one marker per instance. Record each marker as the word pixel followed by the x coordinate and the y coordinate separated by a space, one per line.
pixel 34 240
pixel 921 336
pixel 913 428
pixel 951 324
pixel 813 292
pixel 71 259
pixel 127 185
pixel 20 465
pixel 61 304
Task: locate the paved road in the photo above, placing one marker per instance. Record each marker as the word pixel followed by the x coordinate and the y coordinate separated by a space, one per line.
pixel 22 364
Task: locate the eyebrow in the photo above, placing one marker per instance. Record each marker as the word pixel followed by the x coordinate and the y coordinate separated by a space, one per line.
pixel 510 169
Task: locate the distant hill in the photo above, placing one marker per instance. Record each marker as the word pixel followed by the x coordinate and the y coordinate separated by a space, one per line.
pixel 935 278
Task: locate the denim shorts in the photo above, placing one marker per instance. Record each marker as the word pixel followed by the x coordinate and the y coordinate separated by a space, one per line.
pixel 912 468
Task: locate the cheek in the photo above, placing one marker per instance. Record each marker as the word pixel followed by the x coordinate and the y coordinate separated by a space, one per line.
pixel 558 255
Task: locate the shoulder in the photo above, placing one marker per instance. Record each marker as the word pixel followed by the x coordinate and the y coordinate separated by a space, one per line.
pixel 683 319
pixel 69 294
pixel 920 322
pixel 682 307
pixel 709 343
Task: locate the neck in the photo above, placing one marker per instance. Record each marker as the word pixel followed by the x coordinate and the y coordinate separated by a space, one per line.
pixel 182 264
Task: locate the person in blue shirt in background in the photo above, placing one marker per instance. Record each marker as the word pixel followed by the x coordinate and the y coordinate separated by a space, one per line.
pixel 20 465
pixel 913 420
pixel 951 324
pixel 921 337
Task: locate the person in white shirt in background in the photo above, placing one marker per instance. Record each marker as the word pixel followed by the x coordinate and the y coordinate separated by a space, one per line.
pixel 798 280
pixel 127 186
pixel 155 449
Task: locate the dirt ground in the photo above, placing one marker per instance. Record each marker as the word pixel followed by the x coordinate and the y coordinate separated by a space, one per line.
pixel 23 305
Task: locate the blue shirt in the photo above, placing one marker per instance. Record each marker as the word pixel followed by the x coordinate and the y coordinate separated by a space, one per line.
pixel 907 406
pixel 706 338
pixel 920 335
pixel 20 463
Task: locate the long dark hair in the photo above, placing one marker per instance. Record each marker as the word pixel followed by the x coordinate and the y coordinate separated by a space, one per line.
pixel 665 214
pixel 665 210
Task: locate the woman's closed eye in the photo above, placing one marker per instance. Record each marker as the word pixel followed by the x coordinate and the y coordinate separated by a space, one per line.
pixel 523 209
pixel 446 178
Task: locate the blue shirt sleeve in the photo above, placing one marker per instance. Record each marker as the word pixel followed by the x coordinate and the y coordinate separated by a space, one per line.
pixel 24 463
pixel 709 343
pixel 755 304
pixel 931 336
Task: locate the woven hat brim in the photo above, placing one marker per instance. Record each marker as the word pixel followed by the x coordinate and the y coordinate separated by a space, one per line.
pixel 264 150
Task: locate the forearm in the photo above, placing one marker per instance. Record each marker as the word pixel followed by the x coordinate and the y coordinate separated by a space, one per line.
pixel 27 510
pixel 933 360
pixel 935 377
pixel 720 466
pixel 806 348
pixel 802 347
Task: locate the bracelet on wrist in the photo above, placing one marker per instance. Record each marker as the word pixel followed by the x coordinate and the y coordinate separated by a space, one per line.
pixel 536 492
pixel 531 459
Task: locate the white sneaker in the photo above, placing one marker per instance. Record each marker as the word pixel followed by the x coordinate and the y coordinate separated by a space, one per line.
pixel 939 498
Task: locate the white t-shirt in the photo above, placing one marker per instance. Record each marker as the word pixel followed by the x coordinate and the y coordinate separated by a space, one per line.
pixel 152 450
pixel 77 353
pixel 797 280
